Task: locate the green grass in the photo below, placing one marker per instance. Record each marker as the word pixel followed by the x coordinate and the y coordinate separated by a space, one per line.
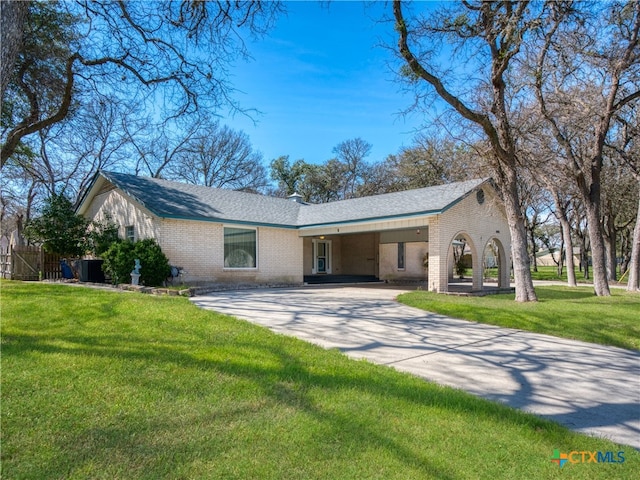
pixel 544 273
pixel 99 384
pixel 551 273
pixel 561 311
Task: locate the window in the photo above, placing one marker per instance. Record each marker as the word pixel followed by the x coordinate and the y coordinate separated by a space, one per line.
pixel 401 252
pixel 130 233
pixel 240 247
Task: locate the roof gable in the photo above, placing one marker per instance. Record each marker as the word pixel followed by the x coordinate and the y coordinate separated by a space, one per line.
pixel 169 199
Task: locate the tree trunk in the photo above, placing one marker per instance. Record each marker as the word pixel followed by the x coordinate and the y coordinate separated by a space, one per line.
pixel 532 240
pixel 600 283
pixel 568 246
pixel 561 214
pixel 609 237
pixel 633 284
pixel 560 263
pixel 13 14
pixel 521 266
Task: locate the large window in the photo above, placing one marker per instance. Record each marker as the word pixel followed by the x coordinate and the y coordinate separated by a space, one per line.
pixel 240 248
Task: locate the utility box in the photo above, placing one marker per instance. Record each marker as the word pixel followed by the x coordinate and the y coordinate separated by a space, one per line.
pixel 91 271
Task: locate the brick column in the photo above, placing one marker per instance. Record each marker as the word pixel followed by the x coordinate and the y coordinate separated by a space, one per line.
pixel 438 272
pixel 476 259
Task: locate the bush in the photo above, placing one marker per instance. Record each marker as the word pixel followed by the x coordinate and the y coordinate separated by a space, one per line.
pixel 100 236
pixel 58 229
pixel 119 261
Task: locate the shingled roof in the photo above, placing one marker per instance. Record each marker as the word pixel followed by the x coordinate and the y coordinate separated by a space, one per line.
pixel 421 201
pixel 168 199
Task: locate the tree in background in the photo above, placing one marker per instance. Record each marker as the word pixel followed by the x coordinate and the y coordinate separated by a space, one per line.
pixel 352 153
pixel 58 229
pixel 624 146
pixel 288 176
pixel 587 68
pixel 179 50
pixel 429 161
pixel 492 33
pixel 218 156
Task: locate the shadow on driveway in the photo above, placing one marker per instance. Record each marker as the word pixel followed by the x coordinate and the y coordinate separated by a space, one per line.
pixel 588 388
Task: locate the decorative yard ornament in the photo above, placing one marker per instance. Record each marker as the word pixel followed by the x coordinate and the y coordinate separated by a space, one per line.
pixel 135 274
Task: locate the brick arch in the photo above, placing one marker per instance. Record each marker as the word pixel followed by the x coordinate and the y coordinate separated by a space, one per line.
pixel 476 259
pixel 503 262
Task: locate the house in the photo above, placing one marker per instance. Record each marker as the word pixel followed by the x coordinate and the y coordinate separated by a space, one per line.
pixel 219 235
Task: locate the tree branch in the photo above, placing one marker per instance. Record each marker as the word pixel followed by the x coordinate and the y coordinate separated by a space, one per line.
pixel 416 67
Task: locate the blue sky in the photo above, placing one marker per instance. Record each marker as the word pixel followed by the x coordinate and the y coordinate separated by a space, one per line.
pixel 321 77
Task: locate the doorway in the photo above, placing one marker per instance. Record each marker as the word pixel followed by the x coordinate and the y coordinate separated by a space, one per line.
pixel 321 257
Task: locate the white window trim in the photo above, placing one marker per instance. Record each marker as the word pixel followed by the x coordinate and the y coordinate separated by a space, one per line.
pixel 126 237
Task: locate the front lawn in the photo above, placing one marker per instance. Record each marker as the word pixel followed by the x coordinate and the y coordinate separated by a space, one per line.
pixel 100 384
pixel 561 311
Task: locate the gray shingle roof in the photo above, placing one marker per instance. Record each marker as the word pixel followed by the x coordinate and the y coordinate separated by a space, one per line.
pixel 170 199
pixel 429 200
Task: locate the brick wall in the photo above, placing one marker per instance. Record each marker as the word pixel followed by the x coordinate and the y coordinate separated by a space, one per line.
pixel 198 247
pixel 479 223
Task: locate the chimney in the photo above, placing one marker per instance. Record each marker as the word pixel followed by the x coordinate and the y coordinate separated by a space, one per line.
pixel 296 197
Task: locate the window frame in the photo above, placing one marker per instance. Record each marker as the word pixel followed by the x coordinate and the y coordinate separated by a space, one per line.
pixel 256 259
pixel 130 237
pixel 402 256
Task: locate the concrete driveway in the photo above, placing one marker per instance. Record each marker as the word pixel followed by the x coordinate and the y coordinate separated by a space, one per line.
pixel 588 388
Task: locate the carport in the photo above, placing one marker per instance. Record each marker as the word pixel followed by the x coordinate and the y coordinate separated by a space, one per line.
pixel 408 237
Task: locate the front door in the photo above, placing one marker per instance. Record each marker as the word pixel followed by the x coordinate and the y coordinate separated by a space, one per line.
pixel 321 256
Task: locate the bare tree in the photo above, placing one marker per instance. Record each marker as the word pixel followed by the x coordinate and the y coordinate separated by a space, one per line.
pixel 178 49
pixel 218 156
pixel 496 31
pixel 352 154
pixel 578 105
pixel 64 157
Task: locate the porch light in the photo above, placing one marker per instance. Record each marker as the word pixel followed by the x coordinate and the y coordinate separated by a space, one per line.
pixel 417 231
pixel 321 237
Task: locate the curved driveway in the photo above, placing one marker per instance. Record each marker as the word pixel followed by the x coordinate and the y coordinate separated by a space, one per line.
pixel 588 388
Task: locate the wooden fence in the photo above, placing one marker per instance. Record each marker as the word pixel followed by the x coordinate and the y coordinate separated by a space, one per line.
pixel 29 263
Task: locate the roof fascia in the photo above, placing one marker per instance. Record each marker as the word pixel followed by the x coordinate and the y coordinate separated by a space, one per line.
pixel 227 221
pixel 90 192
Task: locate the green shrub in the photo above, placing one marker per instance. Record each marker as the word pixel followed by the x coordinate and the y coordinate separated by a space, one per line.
pixel 58 229
pixel 101 236
pixel 155 264
pixel 119 261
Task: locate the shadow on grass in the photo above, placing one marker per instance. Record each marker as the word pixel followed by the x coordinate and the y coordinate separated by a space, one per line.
pixel 574 313
pixel 288 380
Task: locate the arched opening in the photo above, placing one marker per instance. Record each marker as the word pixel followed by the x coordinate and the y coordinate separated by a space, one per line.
pixel 495 265
pixel 462 269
